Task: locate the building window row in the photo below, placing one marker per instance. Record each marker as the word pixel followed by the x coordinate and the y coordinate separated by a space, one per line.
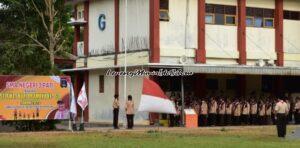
pixel 226 15
pixel 164 10
pixel 220 14
pixel 259 17
pixel 291 15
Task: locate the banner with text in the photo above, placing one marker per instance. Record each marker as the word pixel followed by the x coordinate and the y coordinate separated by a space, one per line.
pixel 34 97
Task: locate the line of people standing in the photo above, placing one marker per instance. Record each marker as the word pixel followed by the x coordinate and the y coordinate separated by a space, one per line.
pixel 223 111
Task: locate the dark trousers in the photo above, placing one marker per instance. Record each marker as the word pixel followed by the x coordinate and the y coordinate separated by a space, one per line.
pixel 281 125
pixel 177 120
pixel 245 119
pixel 253 119
pixel 273 119
pixel 297 118
pixel 221 119
pixel 202 120
pixel 129 121
pixel 172 120
pixel 236 120
pixel 262 120
pixel 212 119
pixel 268 120
pixel 116 117
pixel 290 117
pixel 227 119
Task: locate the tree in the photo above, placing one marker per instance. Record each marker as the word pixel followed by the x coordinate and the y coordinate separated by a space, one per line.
pixel 32 33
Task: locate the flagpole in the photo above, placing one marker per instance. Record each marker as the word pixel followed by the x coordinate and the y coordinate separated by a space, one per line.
pixel 125 61
pixel 182 101
pixel 82 115
pixel 70 99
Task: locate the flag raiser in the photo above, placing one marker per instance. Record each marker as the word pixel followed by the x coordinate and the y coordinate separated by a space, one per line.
pixel 154 100
pixel 82 98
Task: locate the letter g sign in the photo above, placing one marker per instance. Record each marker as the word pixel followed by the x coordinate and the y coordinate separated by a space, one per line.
pixel 102 22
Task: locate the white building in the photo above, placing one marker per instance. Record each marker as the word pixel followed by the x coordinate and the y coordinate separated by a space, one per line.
pixel 237 46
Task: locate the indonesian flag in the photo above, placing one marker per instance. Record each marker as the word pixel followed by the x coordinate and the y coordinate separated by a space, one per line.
pixel 154 100
pixel 82 98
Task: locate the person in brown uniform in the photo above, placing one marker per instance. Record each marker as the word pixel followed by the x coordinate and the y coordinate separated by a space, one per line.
pixel 236 108
pixel 221 112
pixel 282 111
pixel 297 111
pixel 262 112
pixel 245 112
pixel 212 112
pixel 116 107
pixel 203 113
pixel 253 111
pixel 172 116
pixel 269 112
pixel 196 107
pixel 228 112
pixel 129 108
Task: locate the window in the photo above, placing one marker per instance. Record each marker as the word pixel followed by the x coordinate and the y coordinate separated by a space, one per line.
pixel 164 10
pixel 258 22
pixel 259 17
pixel 80 14
pixel 268 22
pixel 269 13
pixel 220 14
pixel 291 15
pixel 101 84
pixel 250 21
pixel 219 19
pixel 295 15
pixel 209 18
pixel 231 10
pixel 230 19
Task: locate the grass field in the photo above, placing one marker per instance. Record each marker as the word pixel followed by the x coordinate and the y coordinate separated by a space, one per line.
pixel 252 137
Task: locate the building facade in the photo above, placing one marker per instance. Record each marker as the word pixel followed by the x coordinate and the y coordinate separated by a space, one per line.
pixel 234 46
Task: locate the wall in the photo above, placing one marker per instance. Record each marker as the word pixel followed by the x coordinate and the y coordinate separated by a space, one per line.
pixel 101 41
pixel 223 2
pixel 260 43
pixel 292 5
pixel 261 3
pixel 100 104
pixel 137 24
pixel 178 36
pixel 291 36
pixel 221 41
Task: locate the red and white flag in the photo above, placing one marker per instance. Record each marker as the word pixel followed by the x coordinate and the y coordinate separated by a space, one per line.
pixel 154 100
pixel 82 98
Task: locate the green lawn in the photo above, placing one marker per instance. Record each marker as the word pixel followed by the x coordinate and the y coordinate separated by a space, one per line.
pixel 208 137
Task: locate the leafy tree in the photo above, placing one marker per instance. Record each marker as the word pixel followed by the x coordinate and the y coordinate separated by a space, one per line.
pixel 32 33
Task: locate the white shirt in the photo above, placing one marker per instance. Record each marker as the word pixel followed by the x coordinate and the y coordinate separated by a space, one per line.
pixel 281 107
